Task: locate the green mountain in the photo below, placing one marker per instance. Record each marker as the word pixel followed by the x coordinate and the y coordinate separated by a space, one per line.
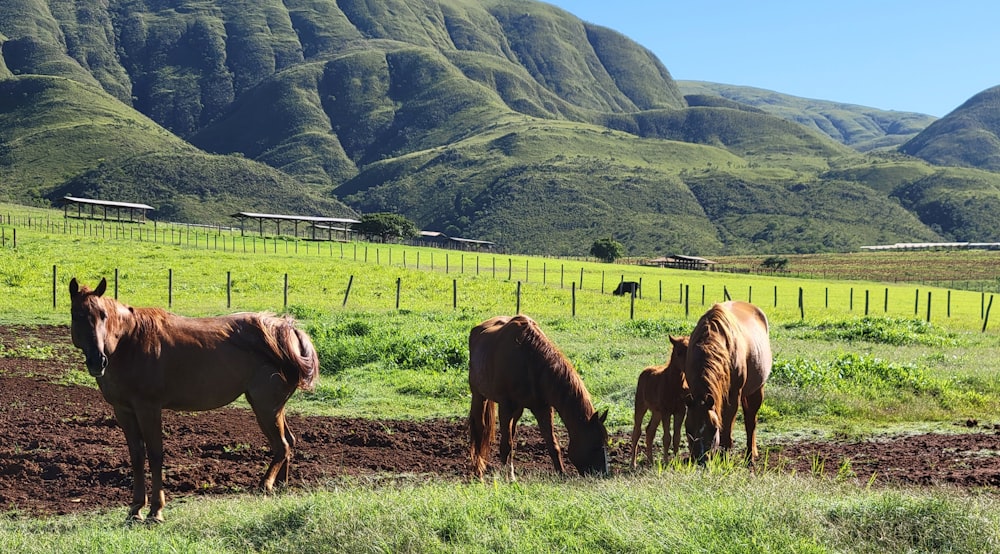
pixel 969 136
pixel 505 120
pixel 859 127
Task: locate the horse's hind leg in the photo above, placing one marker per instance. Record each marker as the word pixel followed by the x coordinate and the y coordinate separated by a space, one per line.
pixel 508 433
pixel 655 418
pixel 640 414
pixel 269 407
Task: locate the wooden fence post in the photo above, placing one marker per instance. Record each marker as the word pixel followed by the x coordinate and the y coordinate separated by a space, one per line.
pixel 573 297
pixel 631 307
pixel 928 306
pixel 518 298
pixel 986 317
pixel 54 285
pixel 348 291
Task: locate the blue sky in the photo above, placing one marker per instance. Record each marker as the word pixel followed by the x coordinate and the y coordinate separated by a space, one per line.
pixel 908 55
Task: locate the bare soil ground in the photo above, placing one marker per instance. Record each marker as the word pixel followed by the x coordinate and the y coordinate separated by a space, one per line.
pixel 61 450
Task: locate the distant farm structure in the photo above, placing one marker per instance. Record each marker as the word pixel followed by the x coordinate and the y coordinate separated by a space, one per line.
pixel 935 246
pixel 107 210
pixel 441 240
pixel 322 224
pixel 678 261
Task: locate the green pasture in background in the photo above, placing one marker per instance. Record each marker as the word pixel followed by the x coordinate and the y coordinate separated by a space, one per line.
pixel 837 373
pixel 398 346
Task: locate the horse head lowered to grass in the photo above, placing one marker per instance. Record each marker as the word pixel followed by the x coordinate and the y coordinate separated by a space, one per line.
pixel 728 362
pixel 514 365
pixel 148 359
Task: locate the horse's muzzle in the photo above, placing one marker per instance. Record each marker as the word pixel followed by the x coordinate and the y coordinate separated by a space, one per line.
pixel 97 364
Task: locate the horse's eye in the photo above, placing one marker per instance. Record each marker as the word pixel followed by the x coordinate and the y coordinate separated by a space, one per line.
pixel 104 315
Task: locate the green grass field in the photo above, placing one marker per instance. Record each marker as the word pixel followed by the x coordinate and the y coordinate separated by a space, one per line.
pixel 837 372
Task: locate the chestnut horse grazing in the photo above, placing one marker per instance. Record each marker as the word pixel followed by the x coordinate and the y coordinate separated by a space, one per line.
pixel 728 362
pixel 147 359
pixel 513 364
pixel 661 390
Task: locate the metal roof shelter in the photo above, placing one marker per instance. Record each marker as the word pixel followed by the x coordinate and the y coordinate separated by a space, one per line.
pixel 441 239
pixel 678 261
pixel 133 210
pixel 934 245
pixel 295 219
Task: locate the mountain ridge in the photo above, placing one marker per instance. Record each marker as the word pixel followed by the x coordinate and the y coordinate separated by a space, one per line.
pixel 506 120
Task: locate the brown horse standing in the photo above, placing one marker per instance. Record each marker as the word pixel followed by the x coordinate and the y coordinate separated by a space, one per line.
pixel 728 362
pixel 513 364
pixel 147 359
pixel 661 390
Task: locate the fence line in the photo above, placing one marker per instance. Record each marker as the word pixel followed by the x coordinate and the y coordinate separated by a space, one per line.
pixel 685 296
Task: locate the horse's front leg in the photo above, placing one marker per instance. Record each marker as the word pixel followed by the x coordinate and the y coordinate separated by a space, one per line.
pixel 151 424
pixel 678 422
pixel 751 405
pixel 544 417
pixel 508 416
pixel 137 458
pixel 728 420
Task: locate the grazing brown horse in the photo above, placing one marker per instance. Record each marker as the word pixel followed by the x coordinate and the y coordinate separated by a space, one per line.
pixel 147 359
pixel 728 362
pixel 661 390
pixel 513 364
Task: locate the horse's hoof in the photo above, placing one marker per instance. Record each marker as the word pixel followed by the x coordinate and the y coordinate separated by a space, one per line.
pixel 134 519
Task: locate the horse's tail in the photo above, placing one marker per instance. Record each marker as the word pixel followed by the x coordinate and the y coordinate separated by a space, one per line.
pixel 482 426
pixel 301 362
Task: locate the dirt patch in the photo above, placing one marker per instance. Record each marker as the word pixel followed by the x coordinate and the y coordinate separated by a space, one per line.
pixel 61 450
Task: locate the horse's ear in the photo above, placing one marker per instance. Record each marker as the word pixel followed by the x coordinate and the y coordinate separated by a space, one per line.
pixel 103 286
pixel 602 416
pixel 74 287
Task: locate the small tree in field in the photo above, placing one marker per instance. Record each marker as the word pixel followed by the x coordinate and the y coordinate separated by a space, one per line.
pixel 607 250
pixel 387 225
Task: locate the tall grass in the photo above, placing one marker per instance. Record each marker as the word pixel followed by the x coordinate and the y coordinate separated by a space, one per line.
pixel 723 510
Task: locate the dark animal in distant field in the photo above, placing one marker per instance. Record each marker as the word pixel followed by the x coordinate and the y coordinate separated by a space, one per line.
pixel 514 365
pixel 626 287
pixel 661 390
pixel 148 359
pixel 728 362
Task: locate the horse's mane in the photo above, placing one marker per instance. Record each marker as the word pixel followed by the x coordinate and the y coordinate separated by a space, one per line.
pixel 713 338
pixel 567 388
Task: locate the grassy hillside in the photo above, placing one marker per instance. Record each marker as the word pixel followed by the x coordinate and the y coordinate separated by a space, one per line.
pixel 506 120
pixel 860 127
pixel 969 136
